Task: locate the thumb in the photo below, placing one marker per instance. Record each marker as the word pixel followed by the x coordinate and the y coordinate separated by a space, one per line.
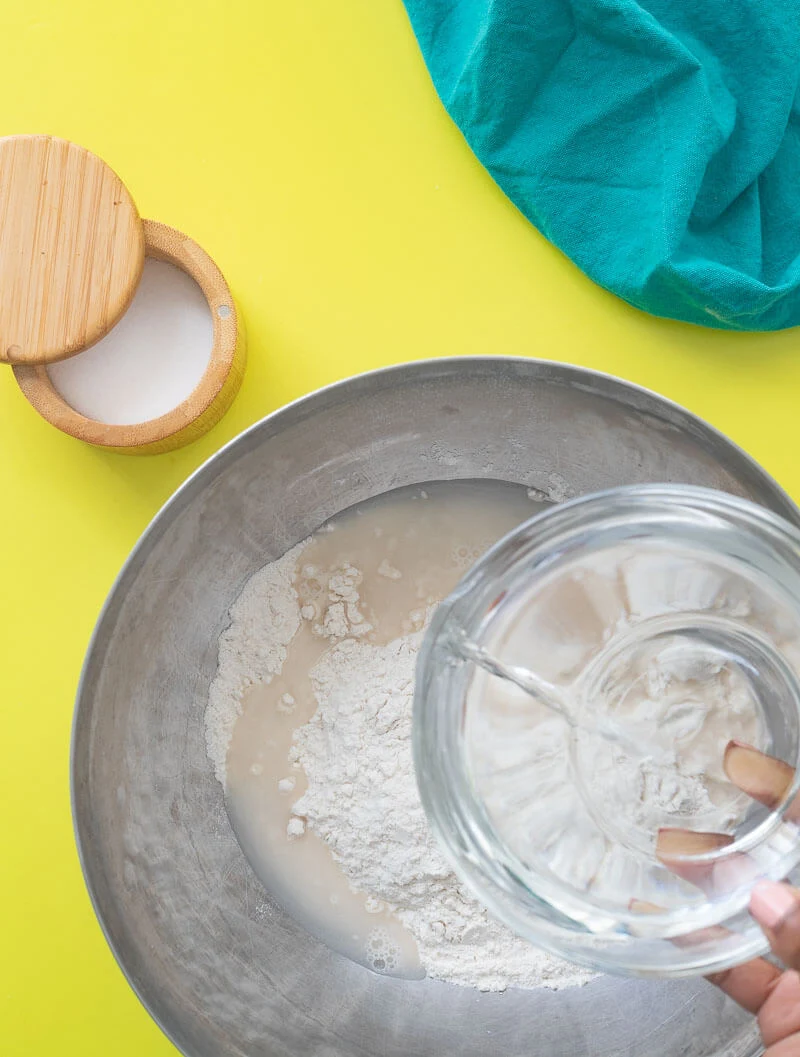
pixel 776 907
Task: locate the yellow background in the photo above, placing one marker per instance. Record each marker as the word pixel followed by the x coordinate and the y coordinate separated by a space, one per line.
pixel 302 144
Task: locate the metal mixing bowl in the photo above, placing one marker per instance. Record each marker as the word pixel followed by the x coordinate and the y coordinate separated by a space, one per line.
pixel 219 965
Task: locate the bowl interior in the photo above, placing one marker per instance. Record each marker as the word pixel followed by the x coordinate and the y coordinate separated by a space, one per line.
pixel 218 963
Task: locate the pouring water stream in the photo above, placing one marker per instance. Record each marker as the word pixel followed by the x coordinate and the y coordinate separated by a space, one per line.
pixel 556 700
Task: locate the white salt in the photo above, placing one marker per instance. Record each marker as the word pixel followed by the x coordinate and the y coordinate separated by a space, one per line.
pixel 151 361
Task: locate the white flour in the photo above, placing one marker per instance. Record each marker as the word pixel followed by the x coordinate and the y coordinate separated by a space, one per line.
pixel 264 620
pixel 362 796
pixel 362 800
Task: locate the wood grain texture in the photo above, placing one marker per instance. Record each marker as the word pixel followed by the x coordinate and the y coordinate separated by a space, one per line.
pixel 209 401
pixel 71 249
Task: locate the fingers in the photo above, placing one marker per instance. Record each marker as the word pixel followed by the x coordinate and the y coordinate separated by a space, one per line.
pixel 760 776
pixel 773 995
pixel 750 984
pixel 761 988
pixel 785 1048
pixel 673 844
pixel 779 1016
pixel 776 907
pixel 758 986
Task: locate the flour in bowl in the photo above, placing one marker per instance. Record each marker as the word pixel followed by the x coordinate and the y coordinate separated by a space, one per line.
pixel 362 800
pixel 309 729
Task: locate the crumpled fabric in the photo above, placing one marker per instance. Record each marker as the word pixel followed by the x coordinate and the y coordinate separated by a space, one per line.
pixel 657 144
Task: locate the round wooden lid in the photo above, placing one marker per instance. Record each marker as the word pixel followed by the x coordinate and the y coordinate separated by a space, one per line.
pixel 71 249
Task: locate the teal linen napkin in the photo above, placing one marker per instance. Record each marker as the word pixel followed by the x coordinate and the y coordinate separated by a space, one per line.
pixel 657 143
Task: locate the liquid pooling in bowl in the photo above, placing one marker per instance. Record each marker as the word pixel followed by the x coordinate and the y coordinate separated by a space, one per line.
pixel 408 548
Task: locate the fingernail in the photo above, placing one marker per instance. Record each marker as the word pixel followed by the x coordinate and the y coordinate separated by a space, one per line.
pixel 771 903
pixel 760 776
pixel 739 754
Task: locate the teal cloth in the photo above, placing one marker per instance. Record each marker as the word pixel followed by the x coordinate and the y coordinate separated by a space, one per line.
pixel 656 143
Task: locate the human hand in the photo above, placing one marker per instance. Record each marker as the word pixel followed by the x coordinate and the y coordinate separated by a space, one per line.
pixel 772 994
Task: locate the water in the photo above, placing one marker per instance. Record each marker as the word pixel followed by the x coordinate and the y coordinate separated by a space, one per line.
pixel 559 703
pixel 607 695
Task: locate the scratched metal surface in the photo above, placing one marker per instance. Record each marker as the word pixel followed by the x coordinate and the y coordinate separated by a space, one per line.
pixel 218 963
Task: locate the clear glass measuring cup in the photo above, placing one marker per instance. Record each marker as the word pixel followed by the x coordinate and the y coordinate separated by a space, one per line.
pixel 579 700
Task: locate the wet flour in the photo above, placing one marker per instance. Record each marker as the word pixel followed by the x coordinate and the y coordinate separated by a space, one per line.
pixel 330 634
pixel 362 800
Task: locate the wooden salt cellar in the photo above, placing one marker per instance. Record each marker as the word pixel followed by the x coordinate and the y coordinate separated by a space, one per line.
pixel 72 249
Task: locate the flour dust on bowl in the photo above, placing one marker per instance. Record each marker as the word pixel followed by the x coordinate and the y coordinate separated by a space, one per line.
pixel 217 956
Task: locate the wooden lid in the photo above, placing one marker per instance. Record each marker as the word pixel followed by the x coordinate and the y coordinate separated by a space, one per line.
pixel 71 249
